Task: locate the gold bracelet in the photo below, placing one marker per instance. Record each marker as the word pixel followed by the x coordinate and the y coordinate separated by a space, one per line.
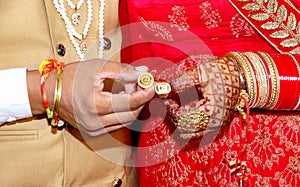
pixel 240 105
pixel 274 80
pixel 265 82
pixel 262 80
pixel 249 75
pixel 241 75
pixel 57 97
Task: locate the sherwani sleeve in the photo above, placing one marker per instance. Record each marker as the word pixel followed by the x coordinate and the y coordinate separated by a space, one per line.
pixel 14 101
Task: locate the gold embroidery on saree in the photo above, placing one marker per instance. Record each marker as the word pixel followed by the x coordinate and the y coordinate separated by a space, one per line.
pixel 178 18
pixel 240 27
pixel 211 17
pixel 159 30
pixel 273 16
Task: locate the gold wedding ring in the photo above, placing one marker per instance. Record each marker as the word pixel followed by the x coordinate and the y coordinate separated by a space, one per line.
pixel 145 80
pixel 162 89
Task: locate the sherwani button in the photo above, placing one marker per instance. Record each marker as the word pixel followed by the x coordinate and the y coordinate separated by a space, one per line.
pixel 61 50
pixel 107 43
pixel 117 183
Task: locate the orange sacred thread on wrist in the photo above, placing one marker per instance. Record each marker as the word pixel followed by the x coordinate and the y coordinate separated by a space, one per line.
pixel 45 68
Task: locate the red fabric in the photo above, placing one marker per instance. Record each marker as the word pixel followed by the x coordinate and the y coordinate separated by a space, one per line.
pixel 270 146
pixel 214 24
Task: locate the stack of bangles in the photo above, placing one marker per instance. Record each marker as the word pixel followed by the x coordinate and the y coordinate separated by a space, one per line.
pixel 272 81
pixel 267 81
pixel 45 68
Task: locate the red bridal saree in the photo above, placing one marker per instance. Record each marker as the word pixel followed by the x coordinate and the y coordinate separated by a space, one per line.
pixel 266 151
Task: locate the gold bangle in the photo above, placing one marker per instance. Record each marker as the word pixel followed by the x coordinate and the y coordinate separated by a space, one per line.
pixel 241 75
pixel 240 105
pixel 255 81
pixel 57 98
pixel 262 79
pixel 249 75
pixel 265 82
pixel 274 80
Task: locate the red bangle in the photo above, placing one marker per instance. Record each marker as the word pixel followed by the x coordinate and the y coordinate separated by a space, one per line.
pixel 294 82
pixel 283 94
pixel 297 82
pixel 286 69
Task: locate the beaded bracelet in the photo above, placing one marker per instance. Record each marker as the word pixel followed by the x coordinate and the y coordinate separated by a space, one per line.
pixel 45 68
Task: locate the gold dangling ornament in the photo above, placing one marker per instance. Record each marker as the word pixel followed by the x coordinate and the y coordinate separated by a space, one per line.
pixel 241 104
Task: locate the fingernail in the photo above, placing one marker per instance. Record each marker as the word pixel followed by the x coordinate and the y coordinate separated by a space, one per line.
pixel 141 68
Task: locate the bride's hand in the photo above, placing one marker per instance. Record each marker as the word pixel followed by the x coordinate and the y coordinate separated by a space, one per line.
pixel 218 83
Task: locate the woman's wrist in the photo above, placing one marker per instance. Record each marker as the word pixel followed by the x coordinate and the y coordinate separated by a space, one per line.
pixel 270 79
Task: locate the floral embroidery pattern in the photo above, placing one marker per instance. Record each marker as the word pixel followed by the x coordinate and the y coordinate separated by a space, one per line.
pixel 159 30
pixel 263 155
pixel 240 27
pixel 178 18
pixel 288 129
pixel 211 17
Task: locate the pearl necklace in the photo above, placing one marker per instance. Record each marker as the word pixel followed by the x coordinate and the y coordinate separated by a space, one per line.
pixel 72 6
pixel 73 34
pixel 101 29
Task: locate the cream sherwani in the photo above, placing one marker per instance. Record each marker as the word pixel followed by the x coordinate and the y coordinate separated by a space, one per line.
pixel 32 155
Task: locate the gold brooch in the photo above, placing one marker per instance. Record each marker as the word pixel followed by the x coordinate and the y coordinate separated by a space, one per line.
pixel 145 80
